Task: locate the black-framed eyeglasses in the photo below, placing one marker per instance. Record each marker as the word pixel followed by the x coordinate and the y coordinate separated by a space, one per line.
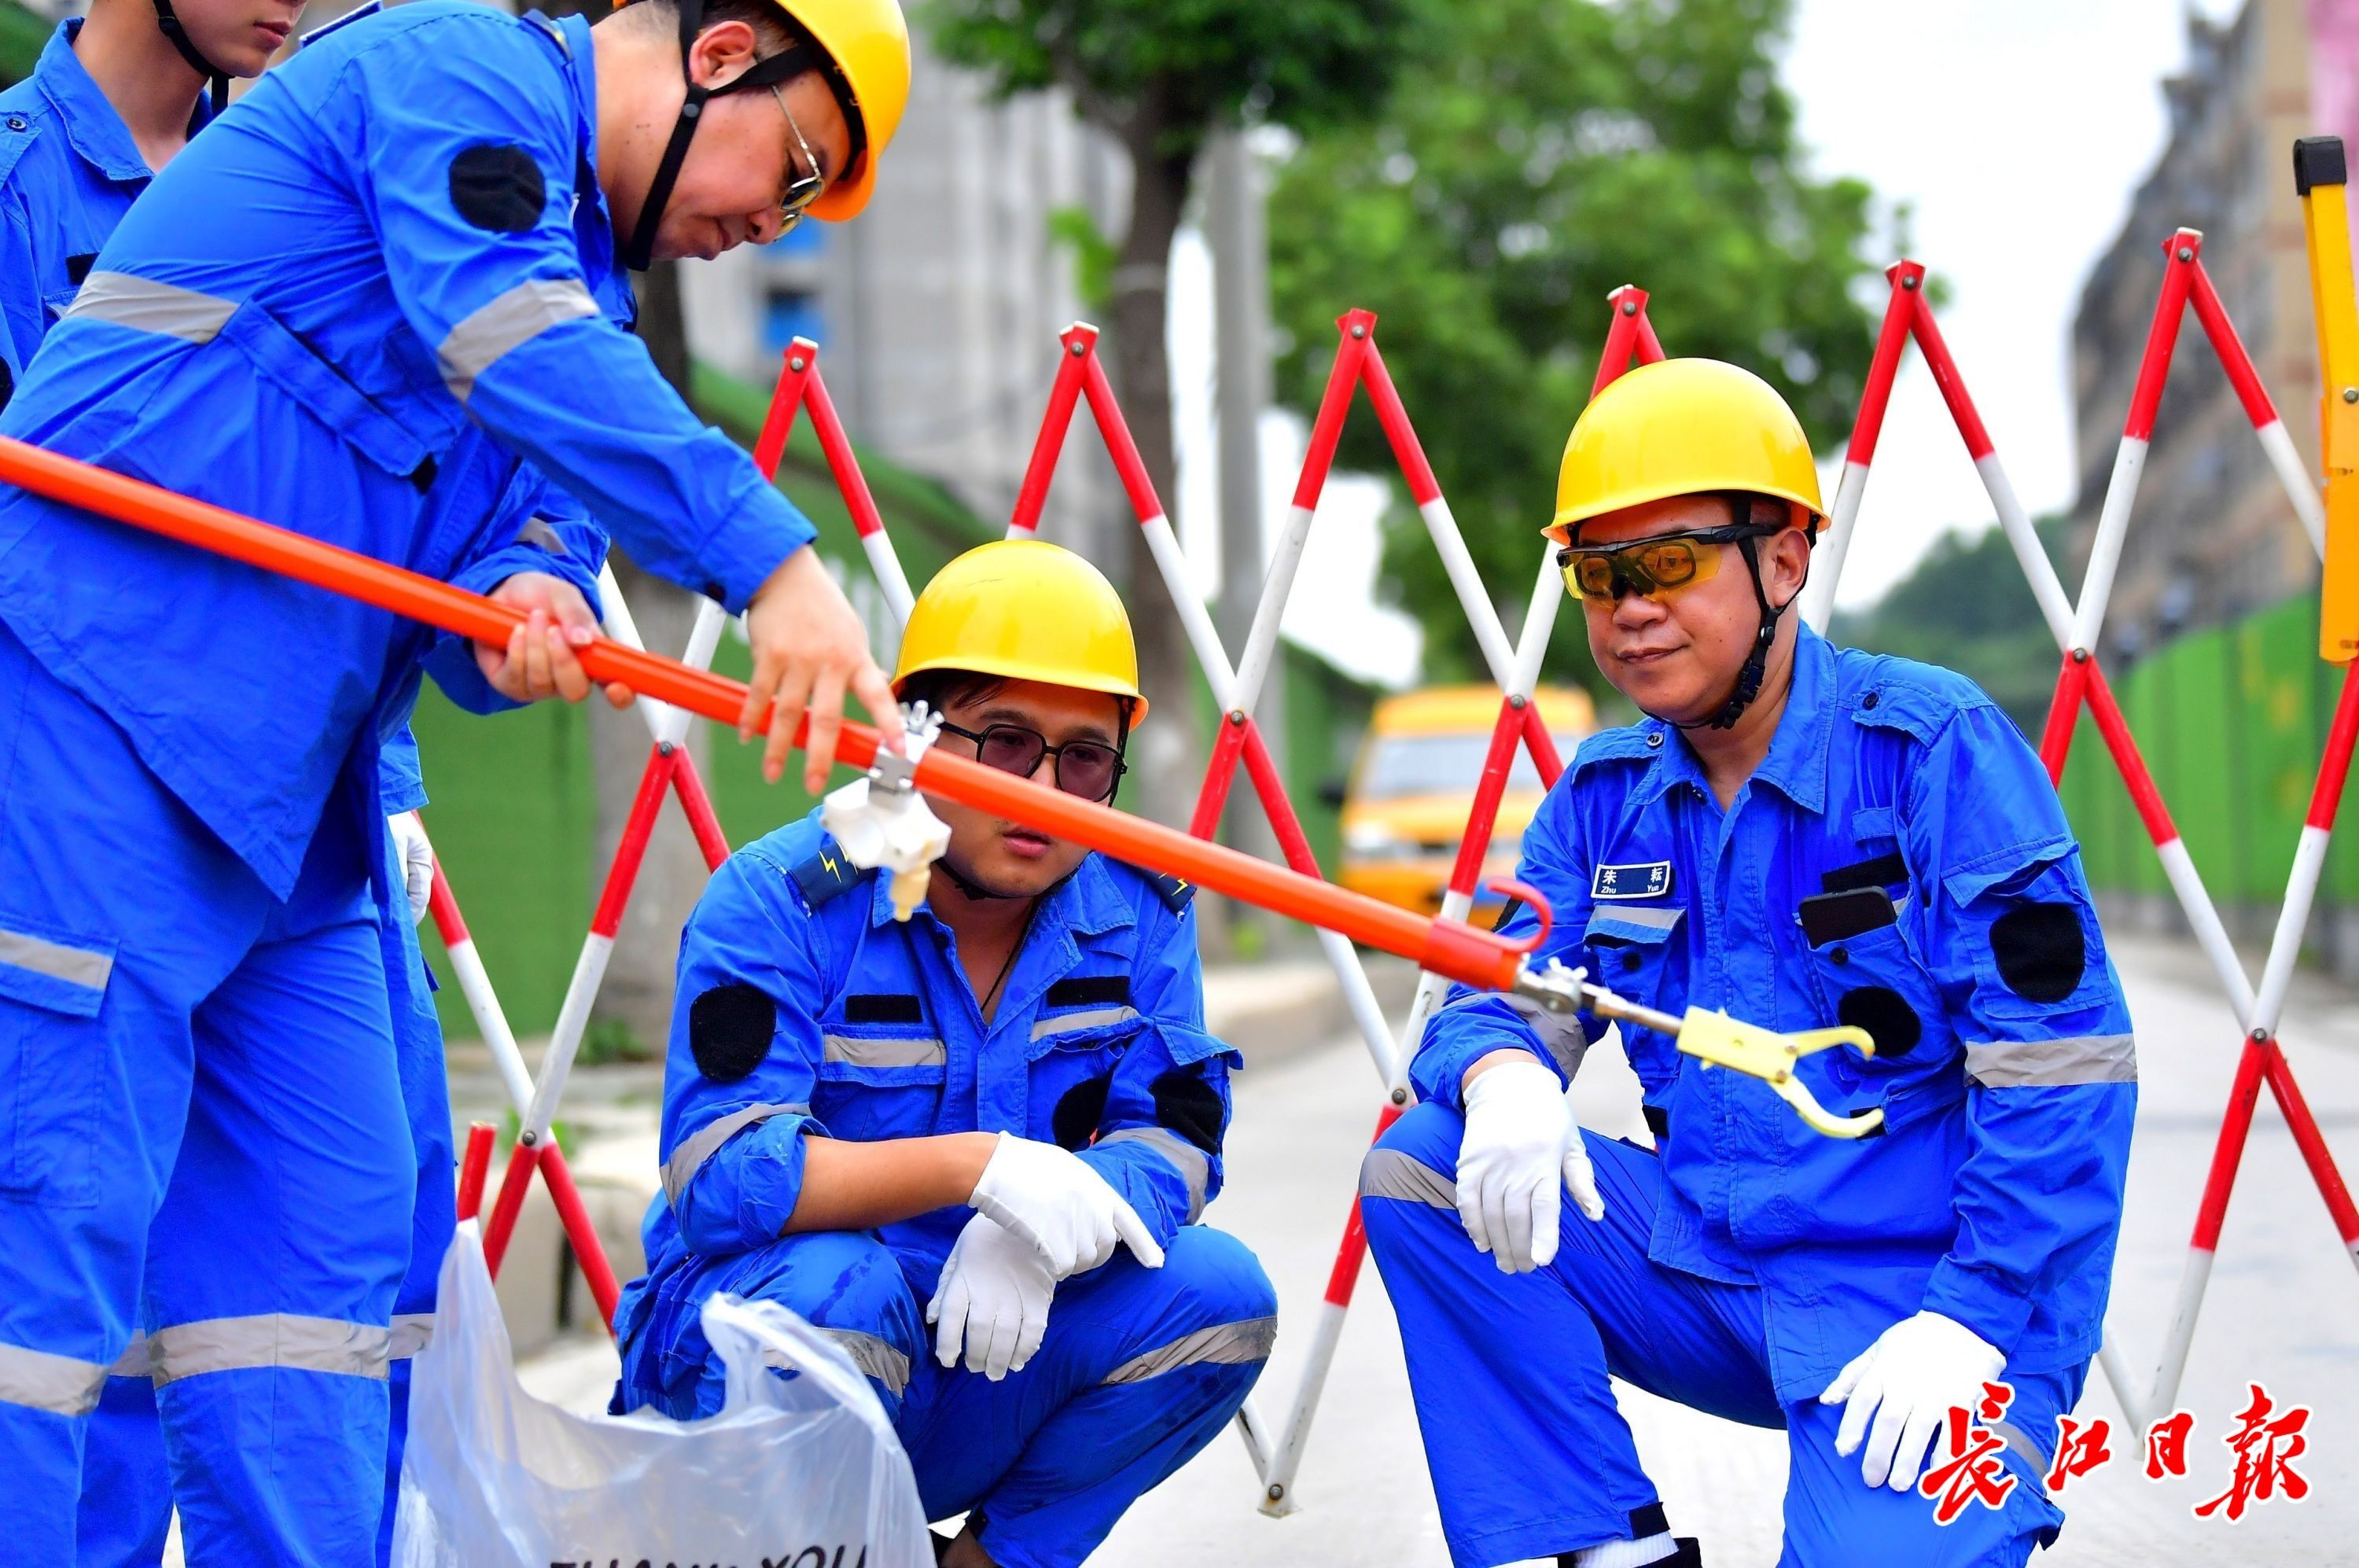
pixel 1089 768
pixel 1650 565
pixel 803 187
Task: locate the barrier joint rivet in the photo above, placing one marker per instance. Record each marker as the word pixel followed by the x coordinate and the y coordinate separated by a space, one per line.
pixel 2186 253
pixel 1518 702
pixel 1236 716
pixel 1908 280
pixel 527 1137
pixel 2351 394
pixel 796 364
pixel 2260 1037
pixel 1400 1096
pixel 1080 348
pixel 663 749
pixel 2080 656
pixel 1276 1493
pixel 1358 331
pixel 1629 307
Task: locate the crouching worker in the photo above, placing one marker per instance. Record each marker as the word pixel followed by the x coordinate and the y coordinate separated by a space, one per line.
pixel 1799 836
pixel 975 1146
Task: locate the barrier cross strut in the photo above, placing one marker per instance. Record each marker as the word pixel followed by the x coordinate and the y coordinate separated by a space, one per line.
pixel 669 771
pixel 1277 1452
pixel 2081 681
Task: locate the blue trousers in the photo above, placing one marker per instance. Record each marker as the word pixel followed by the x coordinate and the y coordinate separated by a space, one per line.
pixel 206 1150
pixel 1529 1454
pixel 126 1497
pixel 1139 1370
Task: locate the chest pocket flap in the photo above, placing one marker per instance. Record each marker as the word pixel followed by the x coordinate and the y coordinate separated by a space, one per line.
pixel 302 374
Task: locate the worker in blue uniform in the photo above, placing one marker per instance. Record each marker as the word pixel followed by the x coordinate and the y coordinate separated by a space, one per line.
pixel 1803 836
pixel 66 179
pixel 378 303
pixel 1001 1118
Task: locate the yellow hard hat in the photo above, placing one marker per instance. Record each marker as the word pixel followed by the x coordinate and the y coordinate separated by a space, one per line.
pixel 869 42
pixel 1027 610
pixel 1682 427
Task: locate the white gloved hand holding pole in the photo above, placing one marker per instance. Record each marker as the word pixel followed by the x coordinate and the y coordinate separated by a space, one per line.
pixel 1908 1380
pixel 1521 1151
pixel 1050 1198
pixel 417 857
pixel 994 1295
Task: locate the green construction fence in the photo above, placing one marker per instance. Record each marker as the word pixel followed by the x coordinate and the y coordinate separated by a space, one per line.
pixel 2231 721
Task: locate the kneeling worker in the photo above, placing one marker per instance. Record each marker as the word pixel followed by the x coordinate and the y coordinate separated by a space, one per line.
pixel 965 1120
pixel 1803 836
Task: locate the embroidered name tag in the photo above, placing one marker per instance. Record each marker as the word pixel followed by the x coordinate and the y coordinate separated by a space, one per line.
pixel 1632 881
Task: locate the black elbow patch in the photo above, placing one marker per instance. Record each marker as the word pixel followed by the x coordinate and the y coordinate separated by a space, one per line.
pixel 729 1029
pixel 1886 1015
pixel 498 188
pixel 7 384
pixel 2040 950
pixel 1079 1113
pixel 1191 1107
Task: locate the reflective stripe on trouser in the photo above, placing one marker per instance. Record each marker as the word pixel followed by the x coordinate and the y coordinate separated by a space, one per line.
pixel 1138 1370
pixel 1529 1451
pixel 233 1075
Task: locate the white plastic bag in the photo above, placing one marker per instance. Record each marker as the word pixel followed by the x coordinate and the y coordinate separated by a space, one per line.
pixel 801 1473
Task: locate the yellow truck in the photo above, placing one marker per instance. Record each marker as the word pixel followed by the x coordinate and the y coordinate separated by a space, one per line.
pixel 1412 788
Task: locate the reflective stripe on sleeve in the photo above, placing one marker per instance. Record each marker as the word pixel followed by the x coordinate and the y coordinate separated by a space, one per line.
pixel 2013 1437
pixel 1226 1344
pixel 74 965
pixel 1560 1034
pixel 2053 1063
pixel 1073 1023
pixel 412 1331
pixel 873 1356
pixel 270 1339
pixel 509 321
pixel 702 1145
pixel 145 305
pixel 1194 1166
pixel 133 1362
pixel 1389 1173
pixel 58 1384
pixel 858 1050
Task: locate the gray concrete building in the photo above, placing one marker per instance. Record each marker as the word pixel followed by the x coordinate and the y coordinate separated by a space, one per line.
pixel 2212 535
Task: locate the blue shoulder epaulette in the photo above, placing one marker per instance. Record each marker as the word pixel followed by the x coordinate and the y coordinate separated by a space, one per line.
pixel 825 873
pixel 1175 893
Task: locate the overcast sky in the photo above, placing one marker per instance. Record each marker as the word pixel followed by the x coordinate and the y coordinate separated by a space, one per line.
pixel 2015 131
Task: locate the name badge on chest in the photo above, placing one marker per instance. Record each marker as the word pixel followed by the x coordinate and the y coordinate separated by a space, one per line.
pixel 1647 881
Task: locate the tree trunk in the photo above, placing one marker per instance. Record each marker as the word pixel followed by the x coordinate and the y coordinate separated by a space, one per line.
pixel 634 1003
pixel 1169 756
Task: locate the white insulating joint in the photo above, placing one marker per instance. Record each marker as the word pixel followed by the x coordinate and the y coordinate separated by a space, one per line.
pixel 881 820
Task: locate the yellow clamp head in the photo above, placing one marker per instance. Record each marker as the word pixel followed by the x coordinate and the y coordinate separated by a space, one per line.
pixel 1718 1041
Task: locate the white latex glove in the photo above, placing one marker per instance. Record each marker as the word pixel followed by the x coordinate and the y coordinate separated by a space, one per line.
pixel 417 861
pixel 1520 1152
pixel 995 1295
pixel 1908 1380
pixel 1049 1197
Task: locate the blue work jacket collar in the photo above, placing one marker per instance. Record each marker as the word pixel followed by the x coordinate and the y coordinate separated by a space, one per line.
pixel 94 129
pixel 1797 764
pixel 1087 903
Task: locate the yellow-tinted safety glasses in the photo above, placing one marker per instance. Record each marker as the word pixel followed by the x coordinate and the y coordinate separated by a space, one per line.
pixel 1649 566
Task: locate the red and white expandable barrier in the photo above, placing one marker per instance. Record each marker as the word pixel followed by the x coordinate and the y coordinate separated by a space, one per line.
pixel 2081 681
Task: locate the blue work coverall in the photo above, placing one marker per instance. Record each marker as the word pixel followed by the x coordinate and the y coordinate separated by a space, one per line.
pixel 68 170
pixel 805 1011
pixel 1742 1262
pixel 377 303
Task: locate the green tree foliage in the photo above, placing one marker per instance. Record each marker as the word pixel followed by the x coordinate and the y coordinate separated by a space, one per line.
pixel 1966 606
pixel 1160 76
pixel 1547 152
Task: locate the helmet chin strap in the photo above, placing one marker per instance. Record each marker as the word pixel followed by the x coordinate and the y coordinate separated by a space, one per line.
pixel 169 25
pixel 1765 635
pixel 978 892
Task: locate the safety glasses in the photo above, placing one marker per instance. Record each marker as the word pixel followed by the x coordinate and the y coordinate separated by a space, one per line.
pixel 1649 566
pixel 803 187
pixel 1087 768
